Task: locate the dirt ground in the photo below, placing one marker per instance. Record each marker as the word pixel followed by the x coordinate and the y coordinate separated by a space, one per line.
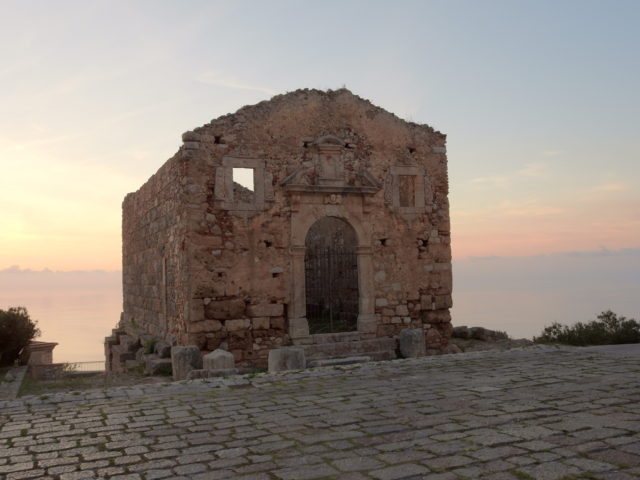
pixel 71 382
pixel 472 345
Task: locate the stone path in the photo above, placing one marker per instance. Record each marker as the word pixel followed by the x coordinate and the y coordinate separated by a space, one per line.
pixel 541 413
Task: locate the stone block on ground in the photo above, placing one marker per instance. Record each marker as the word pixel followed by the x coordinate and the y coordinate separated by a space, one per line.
pixel 484 334
pixel 183 360
pixel 460 332
pixel 218 360
pixel 412 343
pixel 286 358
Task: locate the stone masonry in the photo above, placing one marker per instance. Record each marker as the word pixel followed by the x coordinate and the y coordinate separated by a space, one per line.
pixel 210 262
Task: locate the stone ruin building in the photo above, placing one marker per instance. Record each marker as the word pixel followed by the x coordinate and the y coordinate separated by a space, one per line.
pixel 337 239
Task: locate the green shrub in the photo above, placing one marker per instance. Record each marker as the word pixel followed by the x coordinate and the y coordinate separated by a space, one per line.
pixel 608 329
pixel 17 329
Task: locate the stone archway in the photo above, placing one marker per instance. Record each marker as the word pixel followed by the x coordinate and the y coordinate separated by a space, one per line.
pixel 302 219
pixel 331 276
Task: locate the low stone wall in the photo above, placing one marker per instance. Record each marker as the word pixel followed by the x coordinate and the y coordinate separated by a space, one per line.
pixel 47 371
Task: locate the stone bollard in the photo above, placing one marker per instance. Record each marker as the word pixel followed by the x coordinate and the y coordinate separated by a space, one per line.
pixel 218 360
pixel 183 360
pixel 286 358
pixel 412 343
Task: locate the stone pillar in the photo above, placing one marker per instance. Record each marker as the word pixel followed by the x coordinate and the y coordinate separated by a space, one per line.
pixel 367 322
pixel 298 325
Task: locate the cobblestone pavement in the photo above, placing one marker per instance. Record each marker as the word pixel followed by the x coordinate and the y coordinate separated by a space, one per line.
pixel 542 413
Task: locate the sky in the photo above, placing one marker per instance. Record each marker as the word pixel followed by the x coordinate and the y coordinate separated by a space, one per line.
pixel 539 101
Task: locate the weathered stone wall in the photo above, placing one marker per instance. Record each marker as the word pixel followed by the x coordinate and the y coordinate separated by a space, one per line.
pixel 154 262
pixel 240 266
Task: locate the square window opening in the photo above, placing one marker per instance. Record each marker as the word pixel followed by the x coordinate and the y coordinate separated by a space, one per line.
pixel 407 187
pixel 243 185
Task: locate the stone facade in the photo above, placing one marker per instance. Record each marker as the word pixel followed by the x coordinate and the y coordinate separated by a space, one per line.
pixel 211 263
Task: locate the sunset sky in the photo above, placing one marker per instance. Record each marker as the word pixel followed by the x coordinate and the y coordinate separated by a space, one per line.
pixel 539 100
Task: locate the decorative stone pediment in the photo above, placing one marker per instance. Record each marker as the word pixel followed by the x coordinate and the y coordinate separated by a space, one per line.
pixel 325 172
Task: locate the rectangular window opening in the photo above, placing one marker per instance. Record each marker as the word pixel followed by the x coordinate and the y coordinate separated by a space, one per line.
pixel 243 185
pixel 407 187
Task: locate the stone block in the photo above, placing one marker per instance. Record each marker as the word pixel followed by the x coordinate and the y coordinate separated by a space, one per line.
pixel 381 302
pixel 442 302
pixel 286 358
pixel 183 360
pixel 205 326
pixel 277 323
pixel 445 329
pixel 129 343
pixel 436 316
pixel 238 324
pixel 196 312
pixel 218 360
pixel 224 309
pixel 412 343
pixel 426 302
pixel 260 323
pixel 197 339
pixel 162 349
pixel 402 310
pixel 433 338
pixel 266 310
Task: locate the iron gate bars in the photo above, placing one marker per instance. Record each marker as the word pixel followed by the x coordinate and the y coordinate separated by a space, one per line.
pixel 331 288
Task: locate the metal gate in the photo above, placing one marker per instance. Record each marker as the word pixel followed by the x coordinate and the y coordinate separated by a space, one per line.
pixel 331 287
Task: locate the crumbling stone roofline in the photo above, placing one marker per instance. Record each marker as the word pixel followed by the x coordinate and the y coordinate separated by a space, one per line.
pixel 250 110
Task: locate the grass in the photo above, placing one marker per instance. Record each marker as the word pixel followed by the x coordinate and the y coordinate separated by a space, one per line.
pixel 75 383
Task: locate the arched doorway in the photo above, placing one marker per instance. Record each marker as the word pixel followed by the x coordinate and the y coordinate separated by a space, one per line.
pixel 331 276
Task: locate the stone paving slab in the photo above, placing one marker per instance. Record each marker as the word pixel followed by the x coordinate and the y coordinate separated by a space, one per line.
pixel 537 413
